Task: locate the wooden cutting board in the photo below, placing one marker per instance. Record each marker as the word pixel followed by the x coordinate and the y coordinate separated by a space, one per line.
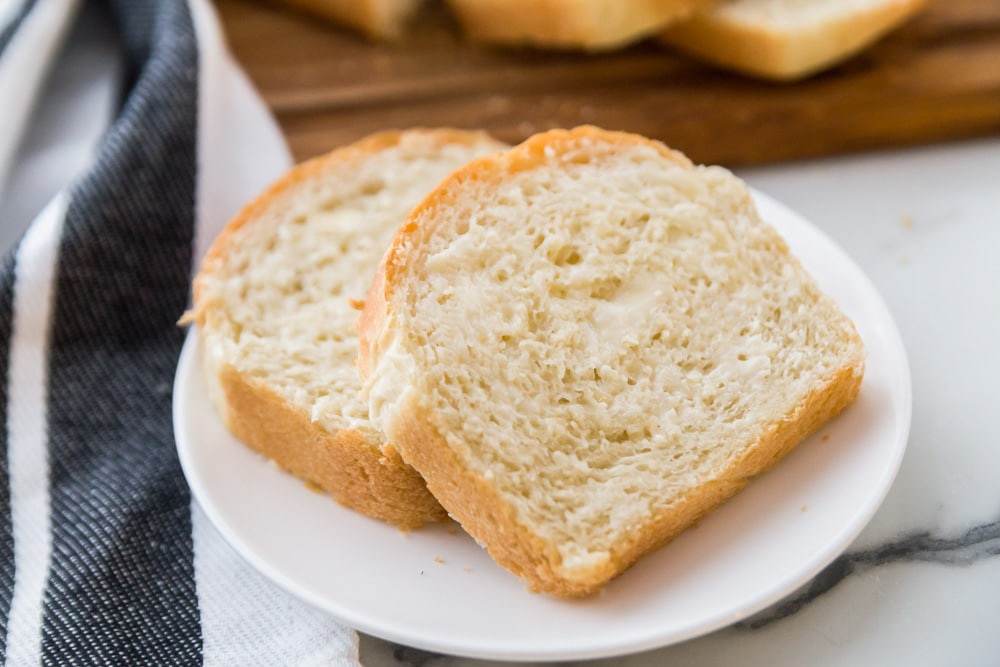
pixel 936 78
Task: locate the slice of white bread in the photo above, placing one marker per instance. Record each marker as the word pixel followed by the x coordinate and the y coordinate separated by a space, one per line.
pixel 586 343
pixel 276 301
pixel 379 19
pixel 786 39
pixel 564 24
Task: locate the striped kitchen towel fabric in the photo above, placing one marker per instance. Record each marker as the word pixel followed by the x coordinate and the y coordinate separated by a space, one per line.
pixel 106 558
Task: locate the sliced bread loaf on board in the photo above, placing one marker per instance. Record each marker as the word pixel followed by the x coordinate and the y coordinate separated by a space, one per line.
pixel 276 301
pixel 564 24
pixel 379 19
pixel 786 39
pixel 586 343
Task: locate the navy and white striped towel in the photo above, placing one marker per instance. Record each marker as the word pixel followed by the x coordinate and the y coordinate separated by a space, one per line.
pixel 105 557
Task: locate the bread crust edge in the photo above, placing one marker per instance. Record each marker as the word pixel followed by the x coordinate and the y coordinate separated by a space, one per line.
pixel 348 465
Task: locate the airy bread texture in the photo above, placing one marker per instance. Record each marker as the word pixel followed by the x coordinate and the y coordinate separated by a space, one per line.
pixel 564 24
pixel 379 19
pixel 276 301
pixel 586 343
pixel 787 39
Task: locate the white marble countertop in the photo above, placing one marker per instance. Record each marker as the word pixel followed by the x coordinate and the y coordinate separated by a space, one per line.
pixel 921 585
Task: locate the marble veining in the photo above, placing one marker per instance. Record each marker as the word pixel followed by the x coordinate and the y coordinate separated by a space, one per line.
pixel 975 544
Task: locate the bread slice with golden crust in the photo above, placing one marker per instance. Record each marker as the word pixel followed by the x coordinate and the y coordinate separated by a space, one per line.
pixel 378 19
pixel 276 300
pixel 786 39
pixel 586 343
pixel 594 25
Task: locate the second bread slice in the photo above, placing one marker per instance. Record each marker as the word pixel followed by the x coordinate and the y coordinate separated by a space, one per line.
pixel 276 301
pixel 586 343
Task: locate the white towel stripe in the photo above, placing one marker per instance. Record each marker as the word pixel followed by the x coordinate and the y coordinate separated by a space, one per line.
pixel 27 441
pixel 26 59
pixel 240 147
pixel 245 619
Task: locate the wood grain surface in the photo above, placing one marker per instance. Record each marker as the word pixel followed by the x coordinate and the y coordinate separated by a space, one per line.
pixel 936 78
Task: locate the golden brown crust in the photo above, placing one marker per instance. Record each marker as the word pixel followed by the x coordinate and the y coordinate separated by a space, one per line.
pixel 588 24
pixel 349 464
pixel 770 53
pixel 474 501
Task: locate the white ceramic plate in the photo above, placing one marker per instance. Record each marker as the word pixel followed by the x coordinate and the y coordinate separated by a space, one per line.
pixel 436 589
